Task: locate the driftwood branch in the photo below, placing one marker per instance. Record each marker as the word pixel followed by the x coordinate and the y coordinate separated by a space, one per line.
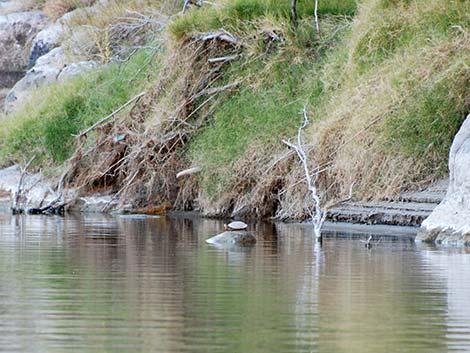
pixel 110 116
pixel 57 203
pixel 222 35
pixel 215 90
pixel 15 209
pixel 317 216
pixel 189 171
pixel 223 59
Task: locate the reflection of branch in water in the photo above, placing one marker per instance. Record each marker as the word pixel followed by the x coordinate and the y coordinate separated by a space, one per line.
pixel 368 243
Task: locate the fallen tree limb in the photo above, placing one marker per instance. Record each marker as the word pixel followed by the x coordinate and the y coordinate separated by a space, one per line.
pixel 110 116
pixel 56 205
pixel 214 90
pixel 222 59
pixel 223 36
pixel 15 209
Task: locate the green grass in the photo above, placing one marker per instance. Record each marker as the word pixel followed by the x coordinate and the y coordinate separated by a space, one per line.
pixel 236 15
pixel 402 64
pixel 408 71
pixel 45 127
pixel 265 110
pixel 425 125
pixel 385 34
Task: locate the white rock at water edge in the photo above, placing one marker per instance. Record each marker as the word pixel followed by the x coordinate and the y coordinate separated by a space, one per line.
pixel 450 221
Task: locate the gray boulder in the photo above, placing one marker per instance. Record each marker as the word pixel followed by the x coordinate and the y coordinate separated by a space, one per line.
pixel 46 40
pixel 17 30
pixel 46 71
pixel 52 36
pixel 72 70
pixel 233 238
pixel 450 221
pixel 55 66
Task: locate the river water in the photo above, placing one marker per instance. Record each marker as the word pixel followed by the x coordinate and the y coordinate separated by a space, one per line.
pixel 117 284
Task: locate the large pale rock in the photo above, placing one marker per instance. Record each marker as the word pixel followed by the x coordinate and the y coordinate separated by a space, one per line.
pixel 450 220
pixel 36 190
pixel 53 36
pixel 46 40
pixel 46 71
pixel 55 66
pixel 230 238
pixel 17 30
pixel 75 69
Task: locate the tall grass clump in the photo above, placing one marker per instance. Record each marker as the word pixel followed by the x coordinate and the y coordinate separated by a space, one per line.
pixel 404 96
pixel 243 137
pixel 46 125
pixel 236 15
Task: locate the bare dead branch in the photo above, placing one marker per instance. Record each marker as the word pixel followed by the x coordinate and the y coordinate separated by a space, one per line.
pixel 318 216
pixel 110 116
pixel 223 59
pixel 315 14
pixel 19 189
pixel 293 12
pixel 215 90
pixel 189 171
pixel 222 35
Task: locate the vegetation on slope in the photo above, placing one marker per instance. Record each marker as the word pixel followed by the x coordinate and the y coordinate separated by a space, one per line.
pixel 384 84
pixel 46 126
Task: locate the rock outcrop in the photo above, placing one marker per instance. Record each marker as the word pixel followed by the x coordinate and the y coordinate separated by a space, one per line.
pixel 32 49
pixel 17 30
pixel 46 71
pixel 52 36
pixel 53 67
pixel 450 221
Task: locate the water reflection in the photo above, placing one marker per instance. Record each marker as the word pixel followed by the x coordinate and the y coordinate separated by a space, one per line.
pixel 115 284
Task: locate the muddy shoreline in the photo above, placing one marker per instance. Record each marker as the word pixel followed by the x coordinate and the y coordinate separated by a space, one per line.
pixel 403 214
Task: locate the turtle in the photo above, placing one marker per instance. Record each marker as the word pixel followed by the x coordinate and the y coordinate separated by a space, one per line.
pixel 236 226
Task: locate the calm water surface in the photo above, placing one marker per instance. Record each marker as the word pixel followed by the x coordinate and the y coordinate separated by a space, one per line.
pixel 117 284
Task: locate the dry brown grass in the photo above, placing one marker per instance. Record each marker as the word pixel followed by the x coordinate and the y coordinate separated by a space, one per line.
pixel 57 8
pixel 370 98
pixel 142 168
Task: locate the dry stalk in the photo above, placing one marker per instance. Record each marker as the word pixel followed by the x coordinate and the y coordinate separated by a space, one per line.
pixel 110 116
pixel 315 14
pixel 140 166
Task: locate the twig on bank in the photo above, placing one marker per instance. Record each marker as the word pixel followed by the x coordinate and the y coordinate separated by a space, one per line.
pixel 110 116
